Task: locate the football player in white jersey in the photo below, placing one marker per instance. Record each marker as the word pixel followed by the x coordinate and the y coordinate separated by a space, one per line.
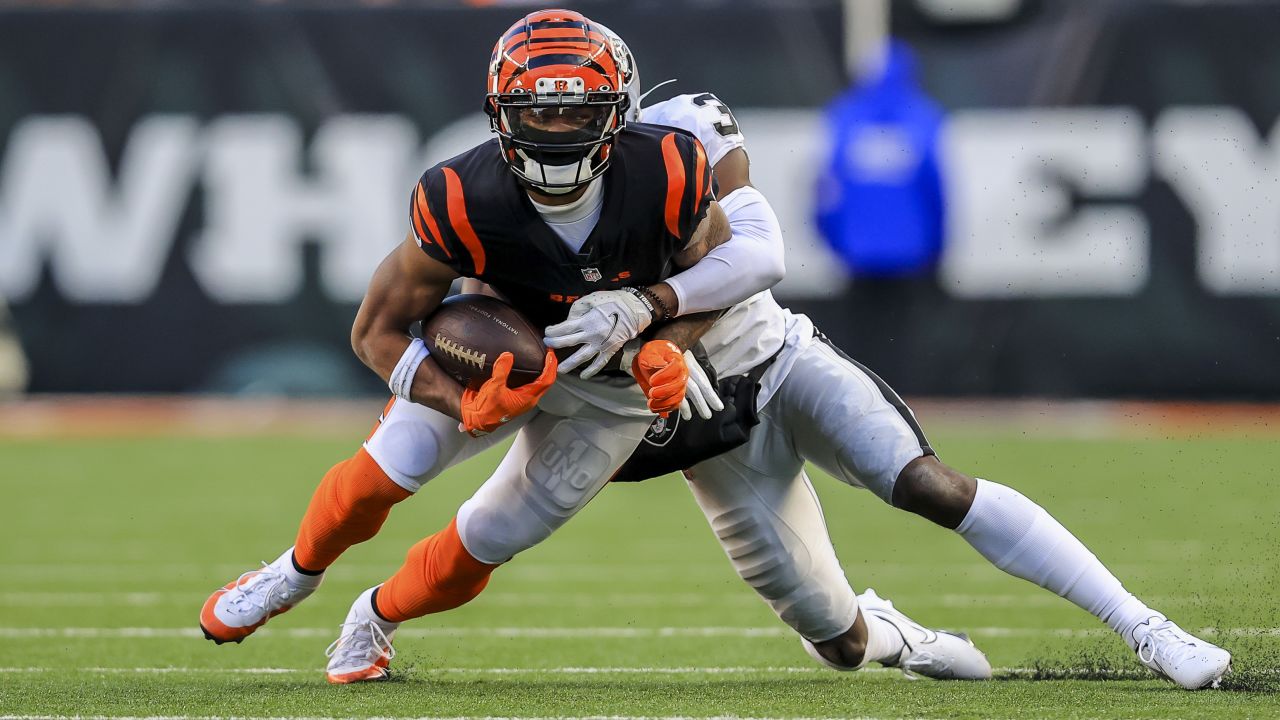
pixel 815 403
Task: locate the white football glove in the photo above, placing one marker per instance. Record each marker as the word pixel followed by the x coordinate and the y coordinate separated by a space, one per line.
pixel 601 323
pixel 699 394
pixel 698 391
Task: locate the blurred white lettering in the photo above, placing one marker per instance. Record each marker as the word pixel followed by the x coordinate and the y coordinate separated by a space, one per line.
pixel 1013 229
pixel 1041 203
pixel 1229 180
pixel 259 207
pixel 104 242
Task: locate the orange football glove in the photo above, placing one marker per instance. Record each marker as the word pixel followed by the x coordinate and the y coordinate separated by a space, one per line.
pixel 660 370
pixel 488 408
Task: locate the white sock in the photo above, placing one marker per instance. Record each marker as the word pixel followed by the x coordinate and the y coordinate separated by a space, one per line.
pixel 1019 537
pixel 364 608
pixel 296 580
pixel 884 643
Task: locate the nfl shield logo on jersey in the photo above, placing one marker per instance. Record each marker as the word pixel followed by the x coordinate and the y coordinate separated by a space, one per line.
pixel 591 274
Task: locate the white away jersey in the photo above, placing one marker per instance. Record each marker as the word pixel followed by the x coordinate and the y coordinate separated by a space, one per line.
pixel 757 328
pixel 702 114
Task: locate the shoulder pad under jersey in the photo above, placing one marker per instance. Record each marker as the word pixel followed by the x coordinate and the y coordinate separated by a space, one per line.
pixel 702 114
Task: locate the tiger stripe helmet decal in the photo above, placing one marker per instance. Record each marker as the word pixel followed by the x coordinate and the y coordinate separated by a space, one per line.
pixel 556 96
pixel 556 45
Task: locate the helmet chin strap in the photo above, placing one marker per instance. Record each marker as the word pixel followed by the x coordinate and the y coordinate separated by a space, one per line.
pixel 557 175
pixel 557 190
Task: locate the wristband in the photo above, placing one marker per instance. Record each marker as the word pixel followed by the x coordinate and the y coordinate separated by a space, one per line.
pixel 657 300
pixel 401 381
pixel 643 297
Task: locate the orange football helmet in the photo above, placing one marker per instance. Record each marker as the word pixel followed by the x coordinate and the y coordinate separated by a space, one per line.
pixel 556 98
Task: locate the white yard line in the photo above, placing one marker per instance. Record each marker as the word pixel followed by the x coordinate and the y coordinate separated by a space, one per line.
pixel 440 671
pixel 73 598
pixel 455 717
pixel 41 599
pixel 739 670
pixel 369 572
pixel 93 599
pixel 586 573
pixel 447 632
pixel 558 632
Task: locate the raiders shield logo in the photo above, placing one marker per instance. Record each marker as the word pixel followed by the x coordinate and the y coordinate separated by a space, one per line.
pixel 592 274
pixel 662 430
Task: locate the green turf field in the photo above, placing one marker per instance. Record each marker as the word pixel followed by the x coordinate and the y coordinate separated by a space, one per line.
pixel 109 546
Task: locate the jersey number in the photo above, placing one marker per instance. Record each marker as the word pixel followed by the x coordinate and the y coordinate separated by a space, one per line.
pixel 727 124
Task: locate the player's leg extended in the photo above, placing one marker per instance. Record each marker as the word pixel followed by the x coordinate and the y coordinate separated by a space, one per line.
pixel 847 421
pixel 410 445
pixel 767 517
pixel 555 467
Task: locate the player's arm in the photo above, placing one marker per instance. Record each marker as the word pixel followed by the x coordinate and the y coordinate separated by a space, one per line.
pixel 686 330
pixel 602 338
pixel 472 286
pixel 687 386
pixel 711 233
pixel 417 278
pixel 668 372
pixel 752 256
pixel 407 287
pixel 600 323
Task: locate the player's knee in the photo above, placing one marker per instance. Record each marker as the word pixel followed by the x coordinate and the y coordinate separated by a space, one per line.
pixel 934 491
pixel 406 449
pixel 493 535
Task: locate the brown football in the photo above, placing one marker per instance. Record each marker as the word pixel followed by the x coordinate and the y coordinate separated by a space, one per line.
pixel 467 333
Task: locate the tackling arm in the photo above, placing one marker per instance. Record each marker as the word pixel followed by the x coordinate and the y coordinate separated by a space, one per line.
pixel 685 331
pixel 711 233
pixel 407 287
pixel 752 255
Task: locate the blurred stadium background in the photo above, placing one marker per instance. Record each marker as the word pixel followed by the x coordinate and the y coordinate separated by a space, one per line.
pixel 1066 226
pixel 193 194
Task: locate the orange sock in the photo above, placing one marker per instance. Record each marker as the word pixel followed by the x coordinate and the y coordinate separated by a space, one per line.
pixel 349 507
pixel 438 574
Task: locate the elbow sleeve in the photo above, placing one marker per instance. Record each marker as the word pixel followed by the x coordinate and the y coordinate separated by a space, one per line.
pixel 751 260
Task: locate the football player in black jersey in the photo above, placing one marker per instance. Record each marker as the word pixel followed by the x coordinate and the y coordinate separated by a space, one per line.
pixel 569 199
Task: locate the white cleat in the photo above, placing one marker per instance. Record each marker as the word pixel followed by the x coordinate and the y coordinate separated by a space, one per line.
pixel 245 604
pixel 930 653
pixel 363 652
pixel 1178 655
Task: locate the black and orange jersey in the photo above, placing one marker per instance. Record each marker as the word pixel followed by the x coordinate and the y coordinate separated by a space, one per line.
pixel 471 214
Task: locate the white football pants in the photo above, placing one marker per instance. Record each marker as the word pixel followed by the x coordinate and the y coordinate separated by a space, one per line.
pixel 565 451
pixel 762 507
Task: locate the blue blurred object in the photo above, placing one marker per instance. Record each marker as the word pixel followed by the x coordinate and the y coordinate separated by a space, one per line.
pixel 880 203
